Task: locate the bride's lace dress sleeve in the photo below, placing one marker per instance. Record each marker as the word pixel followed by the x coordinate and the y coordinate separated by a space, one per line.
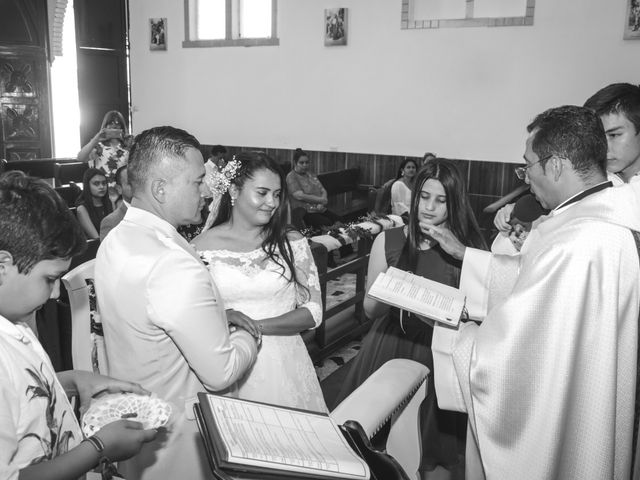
pixel 309 297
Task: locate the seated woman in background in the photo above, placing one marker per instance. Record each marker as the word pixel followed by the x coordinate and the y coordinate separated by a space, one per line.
pixel 439 198
pixel 93 204
pixel 308 196
pixel 267 279
pixel 427 157
pixel 108 150
pixel 401 188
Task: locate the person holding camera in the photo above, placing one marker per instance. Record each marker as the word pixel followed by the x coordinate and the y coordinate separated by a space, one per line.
pixel 108 150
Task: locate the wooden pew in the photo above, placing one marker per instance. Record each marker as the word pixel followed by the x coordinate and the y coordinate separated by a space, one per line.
pixel 347 198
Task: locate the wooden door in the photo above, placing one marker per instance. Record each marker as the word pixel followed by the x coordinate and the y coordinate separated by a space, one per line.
pixel 103 79
pixel 24 80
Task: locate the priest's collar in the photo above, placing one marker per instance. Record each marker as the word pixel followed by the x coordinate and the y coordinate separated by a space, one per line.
pixel 585 193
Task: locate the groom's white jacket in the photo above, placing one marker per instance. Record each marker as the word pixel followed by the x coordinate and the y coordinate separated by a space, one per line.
pixel 166 329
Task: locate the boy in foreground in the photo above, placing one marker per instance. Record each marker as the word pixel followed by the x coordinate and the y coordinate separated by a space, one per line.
pixel 40 437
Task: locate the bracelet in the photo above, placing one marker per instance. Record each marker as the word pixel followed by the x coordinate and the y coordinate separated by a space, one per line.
pixel 98 444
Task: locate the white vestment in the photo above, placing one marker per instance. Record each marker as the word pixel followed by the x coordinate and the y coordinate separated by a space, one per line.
pixel 165 328
pixel 549 377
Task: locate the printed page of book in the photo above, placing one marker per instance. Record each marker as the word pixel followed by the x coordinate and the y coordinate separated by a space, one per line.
pixel 267 436
pixel 419 295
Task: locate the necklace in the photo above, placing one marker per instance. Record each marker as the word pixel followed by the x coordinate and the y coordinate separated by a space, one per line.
pixel 426 244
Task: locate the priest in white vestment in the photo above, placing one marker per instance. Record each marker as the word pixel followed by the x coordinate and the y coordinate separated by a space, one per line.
pixel 549 377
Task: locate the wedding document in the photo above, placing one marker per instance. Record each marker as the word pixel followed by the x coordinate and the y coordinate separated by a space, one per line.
pixel 419 295
pixel 256 437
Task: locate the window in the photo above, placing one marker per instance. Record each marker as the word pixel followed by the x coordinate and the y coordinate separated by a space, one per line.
pixel 466 13
pixel 226 23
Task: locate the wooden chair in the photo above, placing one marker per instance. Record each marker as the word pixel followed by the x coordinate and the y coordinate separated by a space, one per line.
pixel 87 341
pixel 392 394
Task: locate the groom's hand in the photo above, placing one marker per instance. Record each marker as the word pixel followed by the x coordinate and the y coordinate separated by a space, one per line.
pixel 240 320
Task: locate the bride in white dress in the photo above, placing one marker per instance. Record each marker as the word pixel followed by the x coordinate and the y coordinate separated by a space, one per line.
pixel 267 279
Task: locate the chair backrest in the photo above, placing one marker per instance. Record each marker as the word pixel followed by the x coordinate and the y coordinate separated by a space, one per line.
pixel 383 198
pixel 340 181
pixel 69 193
pixel 87 341
pixel 70 172
pixel 89 254
pixel 393 394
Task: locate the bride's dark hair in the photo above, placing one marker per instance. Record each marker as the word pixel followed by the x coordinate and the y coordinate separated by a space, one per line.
pixel 276 242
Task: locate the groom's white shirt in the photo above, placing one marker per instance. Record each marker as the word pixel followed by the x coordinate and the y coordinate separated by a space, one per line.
pixel 165 327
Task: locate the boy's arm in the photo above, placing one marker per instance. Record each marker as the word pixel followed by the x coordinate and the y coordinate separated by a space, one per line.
pixel 121 440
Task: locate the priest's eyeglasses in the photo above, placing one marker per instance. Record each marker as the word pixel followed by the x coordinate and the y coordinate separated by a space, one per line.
pixel 521 172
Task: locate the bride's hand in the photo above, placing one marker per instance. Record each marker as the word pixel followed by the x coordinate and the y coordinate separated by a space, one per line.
pixel 239 319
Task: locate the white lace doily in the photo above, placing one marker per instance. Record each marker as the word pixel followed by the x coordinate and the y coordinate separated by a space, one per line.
pixel 152 412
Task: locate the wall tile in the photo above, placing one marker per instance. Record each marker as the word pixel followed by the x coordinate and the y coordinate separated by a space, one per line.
pixel 478 202
pixel 485 178
pixel 487 181
pixel 510 181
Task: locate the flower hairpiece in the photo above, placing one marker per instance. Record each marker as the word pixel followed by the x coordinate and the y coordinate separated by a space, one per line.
pixel 219 180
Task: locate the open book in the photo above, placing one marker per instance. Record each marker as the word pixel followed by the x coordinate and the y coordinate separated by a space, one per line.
pixel 419 295
pixel 246 439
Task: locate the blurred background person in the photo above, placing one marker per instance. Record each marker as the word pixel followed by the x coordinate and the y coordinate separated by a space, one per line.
pixel 401 188
pixel 93 204
pixel 308 196
pixel 108 150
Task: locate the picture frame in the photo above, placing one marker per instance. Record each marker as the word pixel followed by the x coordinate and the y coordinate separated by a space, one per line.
pixel 158 34
pixel 335 26
pixel 632 20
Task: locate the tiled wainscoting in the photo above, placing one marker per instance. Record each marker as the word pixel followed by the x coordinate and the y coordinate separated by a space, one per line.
pixel 487 181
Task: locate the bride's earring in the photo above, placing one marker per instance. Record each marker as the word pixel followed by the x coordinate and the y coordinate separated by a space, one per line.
pixel 233 201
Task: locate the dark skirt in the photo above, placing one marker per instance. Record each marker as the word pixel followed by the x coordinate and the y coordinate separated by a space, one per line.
pixel 443 432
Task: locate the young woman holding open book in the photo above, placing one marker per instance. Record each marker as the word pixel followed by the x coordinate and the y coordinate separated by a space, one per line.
pixel 438 198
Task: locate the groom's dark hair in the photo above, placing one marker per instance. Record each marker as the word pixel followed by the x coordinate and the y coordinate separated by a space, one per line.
pixel 153 146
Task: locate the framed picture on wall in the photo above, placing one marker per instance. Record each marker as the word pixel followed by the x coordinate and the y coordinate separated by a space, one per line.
pixel 335 26
pixel 632 20
pixel 158 34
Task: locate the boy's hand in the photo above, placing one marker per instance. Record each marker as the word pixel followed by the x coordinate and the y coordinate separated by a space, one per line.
pixel 124 438
pixel 501 220
pixel 89 385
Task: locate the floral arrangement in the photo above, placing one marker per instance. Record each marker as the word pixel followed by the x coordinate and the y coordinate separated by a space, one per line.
pixel 353 230
pixel 218 183
pixel 220 180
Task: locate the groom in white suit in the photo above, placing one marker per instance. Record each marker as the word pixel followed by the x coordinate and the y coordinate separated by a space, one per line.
pixel 164 325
